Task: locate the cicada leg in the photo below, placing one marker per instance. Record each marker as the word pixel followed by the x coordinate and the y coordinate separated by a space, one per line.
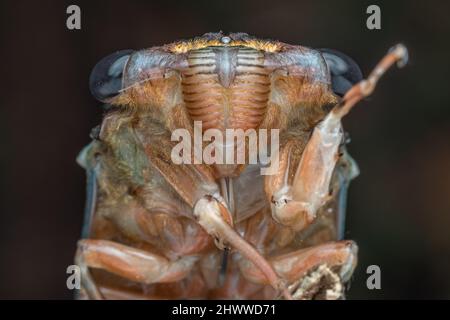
pixel 295 204
pixel 212 216
pixel 131 263
pixel 313 271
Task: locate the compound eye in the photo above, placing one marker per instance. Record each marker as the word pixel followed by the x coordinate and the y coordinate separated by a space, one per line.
pixel 106 78
pixel 343 69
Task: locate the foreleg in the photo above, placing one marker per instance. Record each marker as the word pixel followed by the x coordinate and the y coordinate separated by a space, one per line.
pixel 296 204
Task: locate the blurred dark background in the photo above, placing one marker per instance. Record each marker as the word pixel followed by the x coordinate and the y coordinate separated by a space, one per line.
pixel 399 207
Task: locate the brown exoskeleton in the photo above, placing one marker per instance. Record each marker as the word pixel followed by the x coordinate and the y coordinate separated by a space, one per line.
pixel 155 229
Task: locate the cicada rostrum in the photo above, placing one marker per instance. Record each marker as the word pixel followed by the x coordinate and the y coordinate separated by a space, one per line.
pixel 166 218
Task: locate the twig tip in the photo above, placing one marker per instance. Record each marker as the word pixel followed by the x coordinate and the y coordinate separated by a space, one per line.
pixel 401 54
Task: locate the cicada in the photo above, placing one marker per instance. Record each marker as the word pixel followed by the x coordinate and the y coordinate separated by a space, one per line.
pixel 156 228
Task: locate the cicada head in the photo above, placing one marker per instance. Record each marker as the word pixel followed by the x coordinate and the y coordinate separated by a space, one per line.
pixel 227 82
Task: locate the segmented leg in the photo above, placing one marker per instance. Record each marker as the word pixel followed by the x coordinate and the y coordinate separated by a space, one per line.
pixel 212 215
pixel 296 204
pixel 305 268
pixel 131 263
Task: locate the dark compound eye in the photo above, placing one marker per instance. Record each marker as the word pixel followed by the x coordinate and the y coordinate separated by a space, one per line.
pixel 106 78
pixel 344 71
